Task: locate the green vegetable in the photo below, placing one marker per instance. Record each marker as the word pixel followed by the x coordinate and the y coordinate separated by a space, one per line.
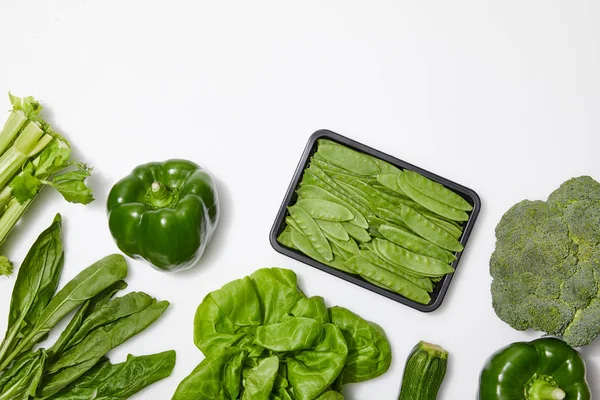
pixel 119 381
pixel 165 213
pixel 424 372
pixel 545 263
pixel 430 203
pixel 21 381
pixel 545 369
pixel 312 231
pixel 74 367
pixel 32 156
pixel 436 191
pixel 34 287
pixel 263 339
pixel 108 327
pixel 370 198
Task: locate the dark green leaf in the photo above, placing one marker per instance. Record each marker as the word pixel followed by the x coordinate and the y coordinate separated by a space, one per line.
pixel 34 287
pixel 119 381
pixel 22 379
pixel 87 284
pixel 78 359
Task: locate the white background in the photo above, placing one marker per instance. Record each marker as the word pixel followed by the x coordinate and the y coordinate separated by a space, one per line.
pixel 500 96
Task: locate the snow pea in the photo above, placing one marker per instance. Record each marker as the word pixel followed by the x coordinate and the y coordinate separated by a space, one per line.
pixel 285 238
pixel 415 243
pixel 348 245
pixel 302 243
pixel 437 191
pixel 390 181
pixel 316 192
pixel 357 232
pixel 325 210
pixel 330 168
pixel 334 229
pixel 312 231
pixel 375 259
pixel 445 225
pixel 430 203
pixel 329 185
pixel 418 263
pixel 347 158
pixel 388 279
pixel 428 230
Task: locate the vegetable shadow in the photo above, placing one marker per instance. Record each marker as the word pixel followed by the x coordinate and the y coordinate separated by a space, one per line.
pixel 592 369
pixel 211 253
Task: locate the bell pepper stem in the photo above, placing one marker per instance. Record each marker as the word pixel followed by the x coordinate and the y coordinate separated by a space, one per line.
pixel 159 195
pixel 541 389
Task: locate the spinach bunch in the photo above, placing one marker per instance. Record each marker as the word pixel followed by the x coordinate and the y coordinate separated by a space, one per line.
pixel 264 339
pixel 75 366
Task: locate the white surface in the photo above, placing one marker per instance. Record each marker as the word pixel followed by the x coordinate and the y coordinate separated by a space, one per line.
pixel 501 96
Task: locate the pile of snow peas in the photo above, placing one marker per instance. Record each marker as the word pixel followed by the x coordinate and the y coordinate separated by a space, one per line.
pixel 394 228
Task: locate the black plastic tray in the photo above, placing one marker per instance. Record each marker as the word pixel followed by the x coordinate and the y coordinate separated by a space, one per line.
pixel 290 197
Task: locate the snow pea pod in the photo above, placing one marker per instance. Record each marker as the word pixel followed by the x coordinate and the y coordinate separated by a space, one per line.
pixel 364 198
pixel 313 188
pixel 329 167
pixel 291 222
pixel 436 191
pixel 285 238
pixel 312 231
pixel 334 229
pixel 390 181
pixel 357 232
pixel 428 230
pixel 347 158
pixel 421 264
pixel 388 279
pixel 430 203
pixel 325 210
pixel 415 243
pixel 375 259
pixel 301 242
pixel 348 245
pixel 445 225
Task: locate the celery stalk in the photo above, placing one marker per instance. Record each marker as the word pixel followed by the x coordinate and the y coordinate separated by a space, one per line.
pixel 11 129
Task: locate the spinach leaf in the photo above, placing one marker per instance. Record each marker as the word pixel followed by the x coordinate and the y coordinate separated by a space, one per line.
pixel 34 287
pixel 87 284
pixel 225 316
pixel 86 309
pixel 369 352
pixel 78 359
pixel 258 385
pixel 312 371
pixel 21 380
pixel 119 381
pixel 218 377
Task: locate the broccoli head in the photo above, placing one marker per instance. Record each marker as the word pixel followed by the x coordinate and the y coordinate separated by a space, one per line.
pixel 546 265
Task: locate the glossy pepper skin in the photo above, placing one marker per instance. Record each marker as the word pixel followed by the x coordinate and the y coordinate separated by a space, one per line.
pixel 545 369
pixel 164 213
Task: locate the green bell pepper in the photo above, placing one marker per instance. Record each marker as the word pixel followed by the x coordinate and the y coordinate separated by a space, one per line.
pixel 164 213
pixel 545 369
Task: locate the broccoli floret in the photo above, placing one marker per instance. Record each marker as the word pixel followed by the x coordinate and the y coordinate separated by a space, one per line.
pixel 546 264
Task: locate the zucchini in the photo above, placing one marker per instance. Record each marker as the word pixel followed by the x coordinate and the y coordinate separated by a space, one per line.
pixel 424 372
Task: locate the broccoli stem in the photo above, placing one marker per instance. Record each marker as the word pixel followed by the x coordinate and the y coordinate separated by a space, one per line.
pixel 541 389
pixel 11 129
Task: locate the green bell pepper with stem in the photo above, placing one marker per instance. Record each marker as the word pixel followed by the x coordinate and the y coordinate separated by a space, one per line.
pixel 164 213
pixel 545 369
